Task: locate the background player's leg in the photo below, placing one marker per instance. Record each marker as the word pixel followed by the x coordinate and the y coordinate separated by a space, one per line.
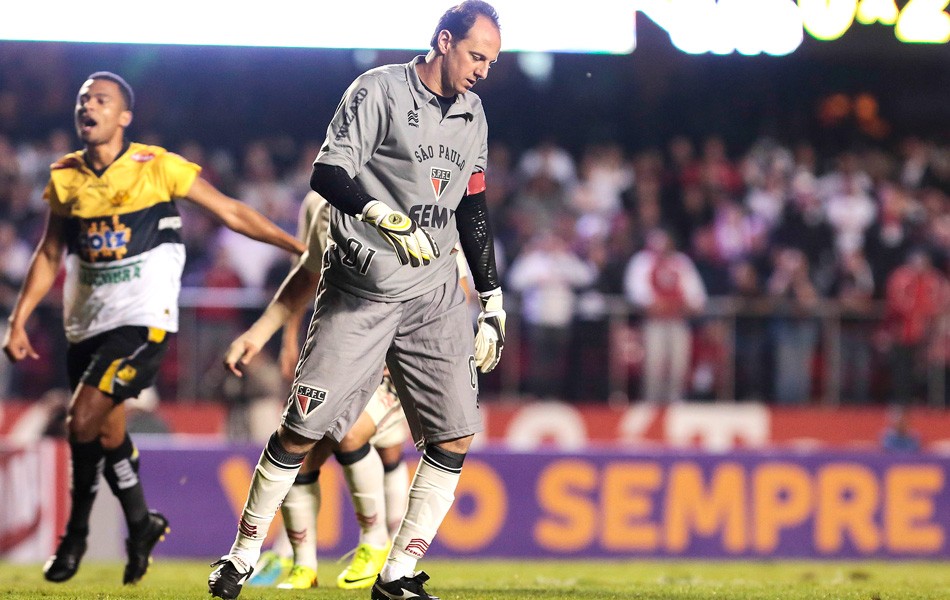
pixel 300 509
pixel 363 470
pixel 87 414
pixel 122 468
pixel 395 486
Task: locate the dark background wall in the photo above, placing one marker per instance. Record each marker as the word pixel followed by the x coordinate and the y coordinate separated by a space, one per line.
pixel 225 95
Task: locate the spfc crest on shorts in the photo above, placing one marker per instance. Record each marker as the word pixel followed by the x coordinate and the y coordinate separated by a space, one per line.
pixel 440 180
pixel 308 398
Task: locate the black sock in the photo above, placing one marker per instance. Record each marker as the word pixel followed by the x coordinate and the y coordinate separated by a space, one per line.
pixel 122 473
pixel 86 466
pixel 307 478
pixel 348 458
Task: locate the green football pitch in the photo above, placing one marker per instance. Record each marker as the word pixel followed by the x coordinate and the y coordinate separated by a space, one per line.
pixel 517 580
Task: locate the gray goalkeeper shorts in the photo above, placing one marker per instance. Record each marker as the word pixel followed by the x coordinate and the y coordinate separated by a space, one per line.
pixel 427 342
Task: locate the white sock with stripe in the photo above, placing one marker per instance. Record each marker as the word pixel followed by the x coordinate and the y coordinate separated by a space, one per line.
pixel 396 491
pixel 430 497
pixel 300 509
pixel 363 470
pixel 273 477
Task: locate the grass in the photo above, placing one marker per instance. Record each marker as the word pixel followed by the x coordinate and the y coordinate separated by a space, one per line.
pixel 527 580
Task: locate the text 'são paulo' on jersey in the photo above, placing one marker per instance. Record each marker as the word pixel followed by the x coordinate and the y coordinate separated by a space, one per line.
pixel 125 255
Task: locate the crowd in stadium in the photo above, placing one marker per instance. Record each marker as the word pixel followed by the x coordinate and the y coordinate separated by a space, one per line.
pixel 773 236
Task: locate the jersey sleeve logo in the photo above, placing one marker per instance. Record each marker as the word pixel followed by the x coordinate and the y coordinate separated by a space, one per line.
pixel 440 180
pixel 308 398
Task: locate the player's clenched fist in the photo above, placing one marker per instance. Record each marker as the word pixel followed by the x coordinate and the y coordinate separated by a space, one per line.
pixel 490 338
pixel 413 244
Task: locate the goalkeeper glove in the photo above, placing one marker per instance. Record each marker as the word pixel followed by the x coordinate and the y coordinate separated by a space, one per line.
pixel 413 244
pixel 490 338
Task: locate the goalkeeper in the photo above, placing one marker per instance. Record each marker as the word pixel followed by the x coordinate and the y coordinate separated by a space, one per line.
pixel 371 453
pixel 403 164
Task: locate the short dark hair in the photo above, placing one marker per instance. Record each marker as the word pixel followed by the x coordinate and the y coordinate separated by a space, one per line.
pixel 127 94
pixel 460 18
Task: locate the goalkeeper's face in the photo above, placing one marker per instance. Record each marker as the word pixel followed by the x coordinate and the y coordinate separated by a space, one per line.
pixel 467 60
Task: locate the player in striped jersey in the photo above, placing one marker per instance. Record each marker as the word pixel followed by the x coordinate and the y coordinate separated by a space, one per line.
pixel 113 220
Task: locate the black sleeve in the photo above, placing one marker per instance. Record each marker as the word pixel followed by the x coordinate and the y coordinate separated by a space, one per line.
pixel 478 243
pixel 340 190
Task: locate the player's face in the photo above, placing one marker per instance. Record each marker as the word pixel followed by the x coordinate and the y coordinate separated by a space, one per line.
pixel 468 59
pixel 101 114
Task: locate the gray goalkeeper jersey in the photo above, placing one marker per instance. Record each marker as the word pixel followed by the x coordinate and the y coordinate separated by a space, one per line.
pixel 389 134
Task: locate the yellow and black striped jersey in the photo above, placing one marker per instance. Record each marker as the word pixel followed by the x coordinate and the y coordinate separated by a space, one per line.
pixel 123 238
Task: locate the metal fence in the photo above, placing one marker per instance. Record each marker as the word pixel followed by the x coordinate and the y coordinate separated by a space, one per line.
pixel 602 361
pixel 605 353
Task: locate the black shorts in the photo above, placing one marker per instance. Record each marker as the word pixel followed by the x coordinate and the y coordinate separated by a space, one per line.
pixel 120 363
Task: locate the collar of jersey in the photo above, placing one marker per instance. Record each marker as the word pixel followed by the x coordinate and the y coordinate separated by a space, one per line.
pixel 422 96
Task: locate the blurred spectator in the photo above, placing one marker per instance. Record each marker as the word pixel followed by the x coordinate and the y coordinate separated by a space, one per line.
pixel 898 436
pixel 853 287
pixel 715 171
pixel 534 208
pixel 604 176
pixel 261 188
pixel 850 212
pixel 751 338
pixel 215 325
pixel 795 328
pixel 918 168
pixel 712 269
pixel 689 212
pixel 45 417
pixel 664 283
pixel 805 228
pixel 548 160
pixel 547 274
pixel 142 413
pixel 917 295
pixel 738 234
pixel 890 237
pixel 847 177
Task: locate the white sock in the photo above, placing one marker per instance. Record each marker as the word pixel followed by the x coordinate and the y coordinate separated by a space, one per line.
pixel 430 497
pixel 396 490
pixel 272 479
pixel 300 510
pixel 365 480
pixel 281 546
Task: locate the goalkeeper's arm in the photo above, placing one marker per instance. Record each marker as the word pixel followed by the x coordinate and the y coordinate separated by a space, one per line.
pixel 412 244
pixel 296 290
pixel 478 245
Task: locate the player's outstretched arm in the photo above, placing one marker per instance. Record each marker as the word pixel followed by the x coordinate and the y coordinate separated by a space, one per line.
pixel 39 279
pixel 292 297
pixel 243 219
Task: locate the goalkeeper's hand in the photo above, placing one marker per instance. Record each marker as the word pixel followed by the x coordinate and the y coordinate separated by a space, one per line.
pixel 490 338
pixel 413 244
